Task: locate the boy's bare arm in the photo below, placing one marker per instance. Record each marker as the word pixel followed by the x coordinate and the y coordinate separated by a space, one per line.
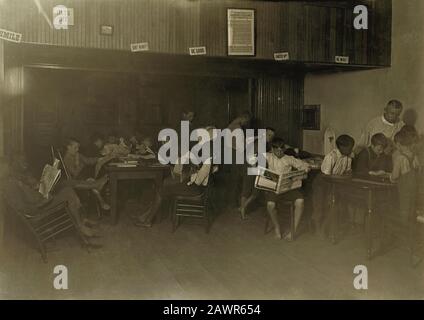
pixel 327 165
pixel 396 170
pixel 300 164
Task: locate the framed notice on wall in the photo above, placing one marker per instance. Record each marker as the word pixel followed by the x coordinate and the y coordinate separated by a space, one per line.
pixel 241 32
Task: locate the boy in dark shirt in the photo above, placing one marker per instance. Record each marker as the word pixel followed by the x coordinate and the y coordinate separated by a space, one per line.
pixel 373 160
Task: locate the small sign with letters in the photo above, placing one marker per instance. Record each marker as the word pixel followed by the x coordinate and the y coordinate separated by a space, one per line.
pixel 10 36
pixel 142 46
pixel 342 59
pixel 281 56
pixel 197 51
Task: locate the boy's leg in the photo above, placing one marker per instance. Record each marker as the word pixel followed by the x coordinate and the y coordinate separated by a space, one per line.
pixel 246 201
pixel 146 218
pixel 272 211
pixel 247 193
pixel 299 206
pixel 251 198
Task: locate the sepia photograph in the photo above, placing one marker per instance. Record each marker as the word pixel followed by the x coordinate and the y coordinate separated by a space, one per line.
pixel 230 152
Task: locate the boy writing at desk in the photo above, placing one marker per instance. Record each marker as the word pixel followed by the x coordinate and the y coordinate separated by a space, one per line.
pixel 281 163
pixel 372 160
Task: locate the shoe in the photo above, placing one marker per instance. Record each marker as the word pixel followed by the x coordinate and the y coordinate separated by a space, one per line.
pixel 143 224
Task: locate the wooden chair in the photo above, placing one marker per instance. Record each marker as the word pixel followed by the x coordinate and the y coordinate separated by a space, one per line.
pixel 49 224
pixel 290 206
pixel 193 206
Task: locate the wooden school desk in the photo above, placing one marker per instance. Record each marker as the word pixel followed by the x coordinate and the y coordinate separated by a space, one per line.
pixel 140 172
pixel 359 192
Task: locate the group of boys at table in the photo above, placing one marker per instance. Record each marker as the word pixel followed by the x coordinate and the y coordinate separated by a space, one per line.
pixel 387 152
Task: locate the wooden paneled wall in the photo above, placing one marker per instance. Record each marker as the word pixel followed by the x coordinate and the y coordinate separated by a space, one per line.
pixel 1 98
pixel 278 103
pixel 313 31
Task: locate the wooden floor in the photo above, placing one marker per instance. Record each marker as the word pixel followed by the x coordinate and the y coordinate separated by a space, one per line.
pixel 234 261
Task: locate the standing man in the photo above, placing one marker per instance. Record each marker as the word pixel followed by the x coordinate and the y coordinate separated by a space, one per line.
pixel 236 146
pixel 388 124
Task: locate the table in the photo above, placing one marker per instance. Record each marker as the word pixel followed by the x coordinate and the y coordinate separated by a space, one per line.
pixel 361 191
pixel 141 172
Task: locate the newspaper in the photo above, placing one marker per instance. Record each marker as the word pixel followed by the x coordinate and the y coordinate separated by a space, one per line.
pixel 49 178
pixel 279 183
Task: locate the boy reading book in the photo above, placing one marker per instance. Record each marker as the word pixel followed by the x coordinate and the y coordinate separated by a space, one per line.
pixel 280 163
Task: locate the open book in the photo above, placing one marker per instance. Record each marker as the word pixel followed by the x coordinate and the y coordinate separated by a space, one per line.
pixel 49 178
pixel 279 183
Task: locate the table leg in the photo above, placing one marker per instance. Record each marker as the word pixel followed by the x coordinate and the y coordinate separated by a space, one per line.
pixel 159 181
pixel 113 198
pixel 2 222
pixel 368 224
pixel 333 216
pixel 158 189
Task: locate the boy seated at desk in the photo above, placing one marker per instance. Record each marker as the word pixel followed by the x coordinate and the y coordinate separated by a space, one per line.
pixel 186 179
pixel 281 163
pixel 145 148
pixel 115 147
pixel 337 163
pixel 405 173
pixel 373 160
pixel 95 146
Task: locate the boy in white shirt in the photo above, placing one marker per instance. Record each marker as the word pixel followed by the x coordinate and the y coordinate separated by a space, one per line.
pixel 337 163
pixel 281 163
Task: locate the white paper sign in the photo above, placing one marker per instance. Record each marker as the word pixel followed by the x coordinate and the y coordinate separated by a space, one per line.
pixel 10 36
pixel 197 51
pixel 281 56
pixel 241 32
pixel 63 17
pixel 142 46
pixel 342 59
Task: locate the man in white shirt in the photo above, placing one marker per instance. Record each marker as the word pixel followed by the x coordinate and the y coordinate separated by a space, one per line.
pixel 389 124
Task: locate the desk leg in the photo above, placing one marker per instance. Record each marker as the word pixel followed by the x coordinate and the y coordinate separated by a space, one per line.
pixel 159 181
pixel 158 189
pixel 113 198
pixel 2 223
pixel 368 225
pixel 333 216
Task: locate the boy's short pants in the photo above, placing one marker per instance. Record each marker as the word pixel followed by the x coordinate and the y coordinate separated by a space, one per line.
pixel 288 196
